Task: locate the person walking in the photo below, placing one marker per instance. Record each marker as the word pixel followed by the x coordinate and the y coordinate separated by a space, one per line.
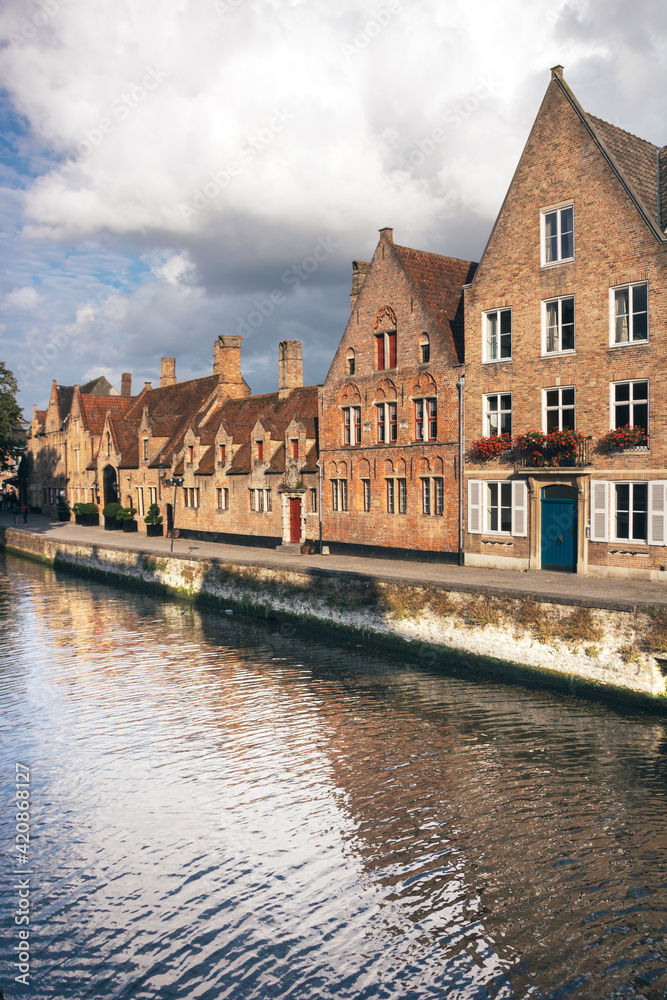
pixel 24 511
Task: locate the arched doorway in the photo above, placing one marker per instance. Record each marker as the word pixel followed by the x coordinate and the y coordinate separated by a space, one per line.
pixel 110 484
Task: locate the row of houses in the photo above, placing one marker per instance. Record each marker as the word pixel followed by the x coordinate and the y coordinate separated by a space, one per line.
pixel 509 413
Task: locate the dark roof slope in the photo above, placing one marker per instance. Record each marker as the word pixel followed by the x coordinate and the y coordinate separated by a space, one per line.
pixel 64 396
pixel 638 159
pixel 94 409
pixel 98 387
pixel 440 281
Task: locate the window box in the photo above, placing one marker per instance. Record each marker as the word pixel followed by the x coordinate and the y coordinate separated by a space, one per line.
pixel 486 448
pixel 624 438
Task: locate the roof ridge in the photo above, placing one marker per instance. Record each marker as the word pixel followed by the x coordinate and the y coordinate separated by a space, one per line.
pixel 430 253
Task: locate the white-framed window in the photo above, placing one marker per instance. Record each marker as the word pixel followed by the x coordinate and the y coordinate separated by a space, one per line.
pixel 145 444
pixel 223 498
pixel 629 511
pixel 558 325
pixel 260 500
pixel 628 314
pixel 629 404
pixel 498 414
pixel 140 501
pixel 387 425
pixel 497 334
pixel 557 234
pixel 391 496
pixel 352 425
pixel 152 494
pixel 313 500
pixel 366 489
pixel 385 350
pixel 426 419
pixel 269 502
pixel 253 499
pixel 402 495
pixel 433 496
pixel 339 494
pixel 498 507
pixel 559 410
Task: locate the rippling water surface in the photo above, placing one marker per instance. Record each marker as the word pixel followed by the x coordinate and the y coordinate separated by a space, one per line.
pixel 222 808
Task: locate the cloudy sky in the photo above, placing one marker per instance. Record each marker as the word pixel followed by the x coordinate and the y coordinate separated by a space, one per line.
pixel 176 169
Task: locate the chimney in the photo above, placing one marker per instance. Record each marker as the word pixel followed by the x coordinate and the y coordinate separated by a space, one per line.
pixel 387 233
pixel 359 272
pixel 167 372
pixel 556 71
pixel 126 384
pixel 227 365
pixel 148 385
pixel 290 367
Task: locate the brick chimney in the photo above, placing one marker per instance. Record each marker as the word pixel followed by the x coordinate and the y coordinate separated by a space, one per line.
pixel 387 233
pixel 227 365
pixel 126 384
pixel 359 272
pixel 167 372
pixel 148 385
pixel 290 367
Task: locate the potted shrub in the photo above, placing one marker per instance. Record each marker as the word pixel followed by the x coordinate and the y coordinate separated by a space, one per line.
pixel 153 521
pixel 111 523
pixel 63 508
pixel 126 517
pixel 86 514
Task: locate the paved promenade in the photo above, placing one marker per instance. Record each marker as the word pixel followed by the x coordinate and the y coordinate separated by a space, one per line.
pixel 538 584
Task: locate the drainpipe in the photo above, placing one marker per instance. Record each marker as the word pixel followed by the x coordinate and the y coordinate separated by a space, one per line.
pixel 319 505
pixel 460 385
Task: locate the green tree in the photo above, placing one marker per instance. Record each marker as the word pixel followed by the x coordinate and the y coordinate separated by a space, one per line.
pixel 12 443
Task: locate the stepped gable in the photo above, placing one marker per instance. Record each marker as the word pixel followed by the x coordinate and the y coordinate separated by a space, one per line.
pixel 638 160
pixel 440 282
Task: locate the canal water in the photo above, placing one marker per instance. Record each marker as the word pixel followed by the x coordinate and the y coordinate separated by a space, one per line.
pixel 224 808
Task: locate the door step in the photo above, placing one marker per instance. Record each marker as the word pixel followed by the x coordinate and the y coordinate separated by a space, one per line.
pixel 289 547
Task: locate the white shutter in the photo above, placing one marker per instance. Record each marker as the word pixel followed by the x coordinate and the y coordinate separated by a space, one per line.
pixel 599 511
pixel 475 506
pixel 519 507
pixel 656 512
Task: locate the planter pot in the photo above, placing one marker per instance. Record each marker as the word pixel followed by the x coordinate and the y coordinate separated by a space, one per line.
pixel 64 515
pixel 154 530
pixel 130 525
pixel 91 520
pixel 111 524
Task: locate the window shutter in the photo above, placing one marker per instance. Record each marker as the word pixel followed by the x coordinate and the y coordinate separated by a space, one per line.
pixel 656 512
pixel 519 507
pixel 475 506
pixel 599 511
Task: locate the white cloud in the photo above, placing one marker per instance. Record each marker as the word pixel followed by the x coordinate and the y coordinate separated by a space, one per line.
pixel 23 298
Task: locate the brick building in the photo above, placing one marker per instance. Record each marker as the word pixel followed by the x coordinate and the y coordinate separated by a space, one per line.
pixel 389 406
pixel 565 337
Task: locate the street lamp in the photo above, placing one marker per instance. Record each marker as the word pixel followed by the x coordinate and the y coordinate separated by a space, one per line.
pixel 175 481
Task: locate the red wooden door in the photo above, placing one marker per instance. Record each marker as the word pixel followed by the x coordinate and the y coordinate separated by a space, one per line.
pixel 295 519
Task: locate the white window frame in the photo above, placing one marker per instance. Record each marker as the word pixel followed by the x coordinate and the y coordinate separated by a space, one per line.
pixel 629 287
pixel 545 325
pixel 426 417
pixel 433 496
pixel 339 495
pixel 486 315
pixel 140 501
pixel 351 426
pixel 613 508
pixel 391 496
pixel 559 389
pixel 544 212
pixel 613 403
pixel 486 413
pixel 366 488
pixel 386 423
pixel 478 508
pixel 603 512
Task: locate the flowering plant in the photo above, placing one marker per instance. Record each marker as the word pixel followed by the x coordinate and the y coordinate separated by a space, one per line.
pixel 624 437
pixel 554 448
pixel 490 447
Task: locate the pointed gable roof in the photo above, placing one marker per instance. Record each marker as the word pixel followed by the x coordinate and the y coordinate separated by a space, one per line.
pixel 94 409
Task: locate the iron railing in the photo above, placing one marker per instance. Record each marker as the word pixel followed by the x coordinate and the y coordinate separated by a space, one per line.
pixel 539 456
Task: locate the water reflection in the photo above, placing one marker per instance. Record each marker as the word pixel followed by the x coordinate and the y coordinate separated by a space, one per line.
pixel 224 808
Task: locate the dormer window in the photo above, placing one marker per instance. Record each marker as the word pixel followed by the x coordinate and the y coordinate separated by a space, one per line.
pixel 260 451
pixel 221 449
pixel 108 444
pixel 424 349
pixel 145 449
pixel 385 349
pixel 351 362
pixel 294 447
pixel 191 454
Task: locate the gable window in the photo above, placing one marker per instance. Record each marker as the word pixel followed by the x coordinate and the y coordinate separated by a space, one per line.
pixel 629 313
pixel 557 226
pixel 385 349
pixel 222 451
pixel 497 334
pixel 339 494
pixel 558 325
pixel 294 447
pixel 631 509
pixel 386 422
pixel 352 425
pixel 351 362
pixel 629 405
pixel 145 449
pixel 108 444
pixel 426 419
pixel 191 453
pixel 366 486
pixel 559 409
pixel 498 414
pixel 424 349
pixel 260 451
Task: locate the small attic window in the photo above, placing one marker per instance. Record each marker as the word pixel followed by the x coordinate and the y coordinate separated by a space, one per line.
pixel 294 447
pixel 351 362
pixel 191 453
pixel 222 455
pixel 260 451
pixel 424 349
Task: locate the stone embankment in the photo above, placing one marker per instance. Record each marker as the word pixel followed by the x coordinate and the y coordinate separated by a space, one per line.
pixel 591 648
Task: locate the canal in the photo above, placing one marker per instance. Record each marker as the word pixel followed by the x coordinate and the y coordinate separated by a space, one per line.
pixel 222 807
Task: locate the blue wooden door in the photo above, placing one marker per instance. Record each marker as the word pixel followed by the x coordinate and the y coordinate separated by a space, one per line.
pixel 559 535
